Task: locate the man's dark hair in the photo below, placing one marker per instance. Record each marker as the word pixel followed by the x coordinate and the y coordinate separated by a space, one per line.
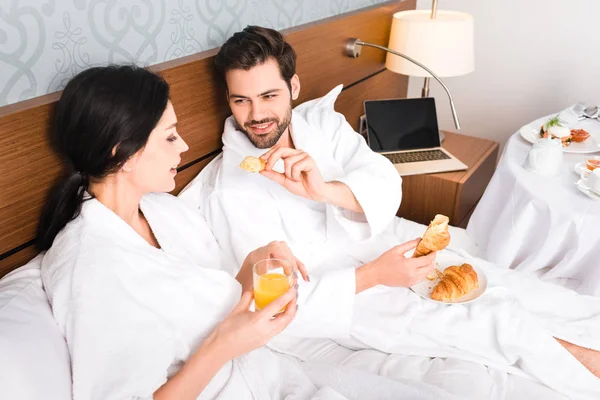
pixel 254 46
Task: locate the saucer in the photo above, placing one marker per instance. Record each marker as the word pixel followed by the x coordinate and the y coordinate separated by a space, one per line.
pixel 581 169
pixel 583 187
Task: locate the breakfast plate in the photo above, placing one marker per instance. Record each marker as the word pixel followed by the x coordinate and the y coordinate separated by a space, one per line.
pixel 445 260
pixel 531 133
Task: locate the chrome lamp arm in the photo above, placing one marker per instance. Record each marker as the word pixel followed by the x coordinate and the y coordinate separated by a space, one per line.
pixel 354 46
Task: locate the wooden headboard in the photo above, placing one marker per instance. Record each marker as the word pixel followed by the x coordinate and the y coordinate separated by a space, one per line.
pixel 29 167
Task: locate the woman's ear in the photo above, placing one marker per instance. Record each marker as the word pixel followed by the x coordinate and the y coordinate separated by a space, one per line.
pixel 129 164
pixel 295 84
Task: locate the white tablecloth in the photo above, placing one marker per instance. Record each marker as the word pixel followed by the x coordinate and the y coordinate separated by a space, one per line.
pixel 544 225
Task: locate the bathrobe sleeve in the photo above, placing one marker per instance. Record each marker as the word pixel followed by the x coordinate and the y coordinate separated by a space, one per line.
pixel 119 347
pixel 325 305
pixel 372 178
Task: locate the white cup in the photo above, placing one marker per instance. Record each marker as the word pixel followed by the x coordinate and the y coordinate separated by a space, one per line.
pixel 545 157
pixel 593 180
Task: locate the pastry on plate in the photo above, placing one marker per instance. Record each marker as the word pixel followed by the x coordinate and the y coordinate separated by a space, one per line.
pixel 456 281
pixel 253 164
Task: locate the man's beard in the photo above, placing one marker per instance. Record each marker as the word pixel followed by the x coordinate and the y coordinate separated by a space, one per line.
pixel 269 140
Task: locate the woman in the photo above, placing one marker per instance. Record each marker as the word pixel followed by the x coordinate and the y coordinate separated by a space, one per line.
pixel 135 278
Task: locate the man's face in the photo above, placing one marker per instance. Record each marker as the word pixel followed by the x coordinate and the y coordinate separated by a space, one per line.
pixel 261 102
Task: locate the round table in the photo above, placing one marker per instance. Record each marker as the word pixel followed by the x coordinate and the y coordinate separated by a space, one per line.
pixel 540 224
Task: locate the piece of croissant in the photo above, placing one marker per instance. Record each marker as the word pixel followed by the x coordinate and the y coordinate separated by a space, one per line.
pixel 435 238
pixel 253 164
pixel 456 281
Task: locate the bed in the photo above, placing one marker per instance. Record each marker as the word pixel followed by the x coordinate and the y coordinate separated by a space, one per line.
pixel 34 353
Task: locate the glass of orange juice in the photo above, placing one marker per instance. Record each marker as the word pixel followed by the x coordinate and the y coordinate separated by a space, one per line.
pixel 272 278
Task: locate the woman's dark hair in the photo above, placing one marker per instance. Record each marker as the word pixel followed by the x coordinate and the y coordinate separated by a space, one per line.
pixel 104 116
pixel 253 46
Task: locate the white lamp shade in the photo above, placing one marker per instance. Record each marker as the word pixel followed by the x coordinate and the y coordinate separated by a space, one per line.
pixel 443 44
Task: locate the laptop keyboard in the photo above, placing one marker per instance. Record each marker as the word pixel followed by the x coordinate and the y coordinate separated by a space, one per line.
pixel 416 156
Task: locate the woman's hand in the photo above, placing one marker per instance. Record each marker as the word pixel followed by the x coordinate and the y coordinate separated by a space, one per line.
pixel 243 330
pixel 274 249
pixel 393 269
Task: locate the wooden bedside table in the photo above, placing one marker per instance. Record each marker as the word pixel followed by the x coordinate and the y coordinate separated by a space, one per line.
pixel 454 194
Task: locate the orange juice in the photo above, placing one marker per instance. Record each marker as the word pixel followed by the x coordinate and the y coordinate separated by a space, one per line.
pixel 269 287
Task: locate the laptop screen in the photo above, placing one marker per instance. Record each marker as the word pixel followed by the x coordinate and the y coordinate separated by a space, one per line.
pixel 402 124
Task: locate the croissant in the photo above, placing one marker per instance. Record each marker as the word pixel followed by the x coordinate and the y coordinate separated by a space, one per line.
pixel 253 164
pixel 456 281
pixel 435 238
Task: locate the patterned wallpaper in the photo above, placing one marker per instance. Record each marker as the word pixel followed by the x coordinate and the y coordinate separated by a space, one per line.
pixel 45 42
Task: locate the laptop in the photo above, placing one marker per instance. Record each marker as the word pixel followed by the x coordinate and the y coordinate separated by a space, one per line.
pixel 406 132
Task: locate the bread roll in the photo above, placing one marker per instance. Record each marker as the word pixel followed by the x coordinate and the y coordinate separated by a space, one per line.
pixel 253 164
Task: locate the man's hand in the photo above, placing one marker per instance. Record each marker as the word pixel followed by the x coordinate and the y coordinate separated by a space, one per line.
pixel 274 249
pixel 301 176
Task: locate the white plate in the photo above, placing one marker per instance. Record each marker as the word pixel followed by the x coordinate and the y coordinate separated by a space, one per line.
pixel 583 187
pixel 444 261
pixel 531 133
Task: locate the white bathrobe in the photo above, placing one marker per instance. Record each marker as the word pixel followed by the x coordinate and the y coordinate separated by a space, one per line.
pixel 340 154
pixel 132 314
pixel 510 329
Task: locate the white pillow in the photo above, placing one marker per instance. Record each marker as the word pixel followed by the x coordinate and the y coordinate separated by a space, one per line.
pixel 34 359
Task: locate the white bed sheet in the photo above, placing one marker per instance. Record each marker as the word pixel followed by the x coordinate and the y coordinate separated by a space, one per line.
pixel 465 379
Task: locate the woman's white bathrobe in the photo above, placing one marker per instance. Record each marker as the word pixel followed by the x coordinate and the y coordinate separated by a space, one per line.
pixel 132 314
pixel 510 328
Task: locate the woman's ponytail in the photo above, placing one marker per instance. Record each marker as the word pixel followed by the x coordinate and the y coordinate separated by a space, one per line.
pixel 62 206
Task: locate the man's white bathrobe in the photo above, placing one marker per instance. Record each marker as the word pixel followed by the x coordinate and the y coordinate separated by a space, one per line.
pixel 511 329
pixel 132 314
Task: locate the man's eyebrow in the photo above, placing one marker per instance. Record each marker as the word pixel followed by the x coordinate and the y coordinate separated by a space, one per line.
pixel 269 92
pixel 239 96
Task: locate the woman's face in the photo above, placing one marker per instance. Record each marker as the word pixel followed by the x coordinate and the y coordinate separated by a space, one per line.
pixel 153 168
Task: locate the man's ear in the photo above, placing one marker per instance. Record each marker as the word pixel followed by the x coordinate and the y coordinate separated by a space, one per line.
pixel 295 84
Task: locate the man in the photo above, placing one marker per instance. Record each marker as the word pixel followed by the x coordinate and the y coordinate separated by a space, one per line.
pixel 342 190
pixel 334 201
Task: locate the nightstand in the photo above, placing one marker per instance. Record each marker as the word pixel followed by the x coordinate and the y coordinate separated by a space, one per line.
pixel 454 194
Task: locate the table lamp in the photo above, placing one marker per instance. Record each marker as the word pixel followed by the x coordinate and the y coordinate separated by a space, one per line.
pixel 422 42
